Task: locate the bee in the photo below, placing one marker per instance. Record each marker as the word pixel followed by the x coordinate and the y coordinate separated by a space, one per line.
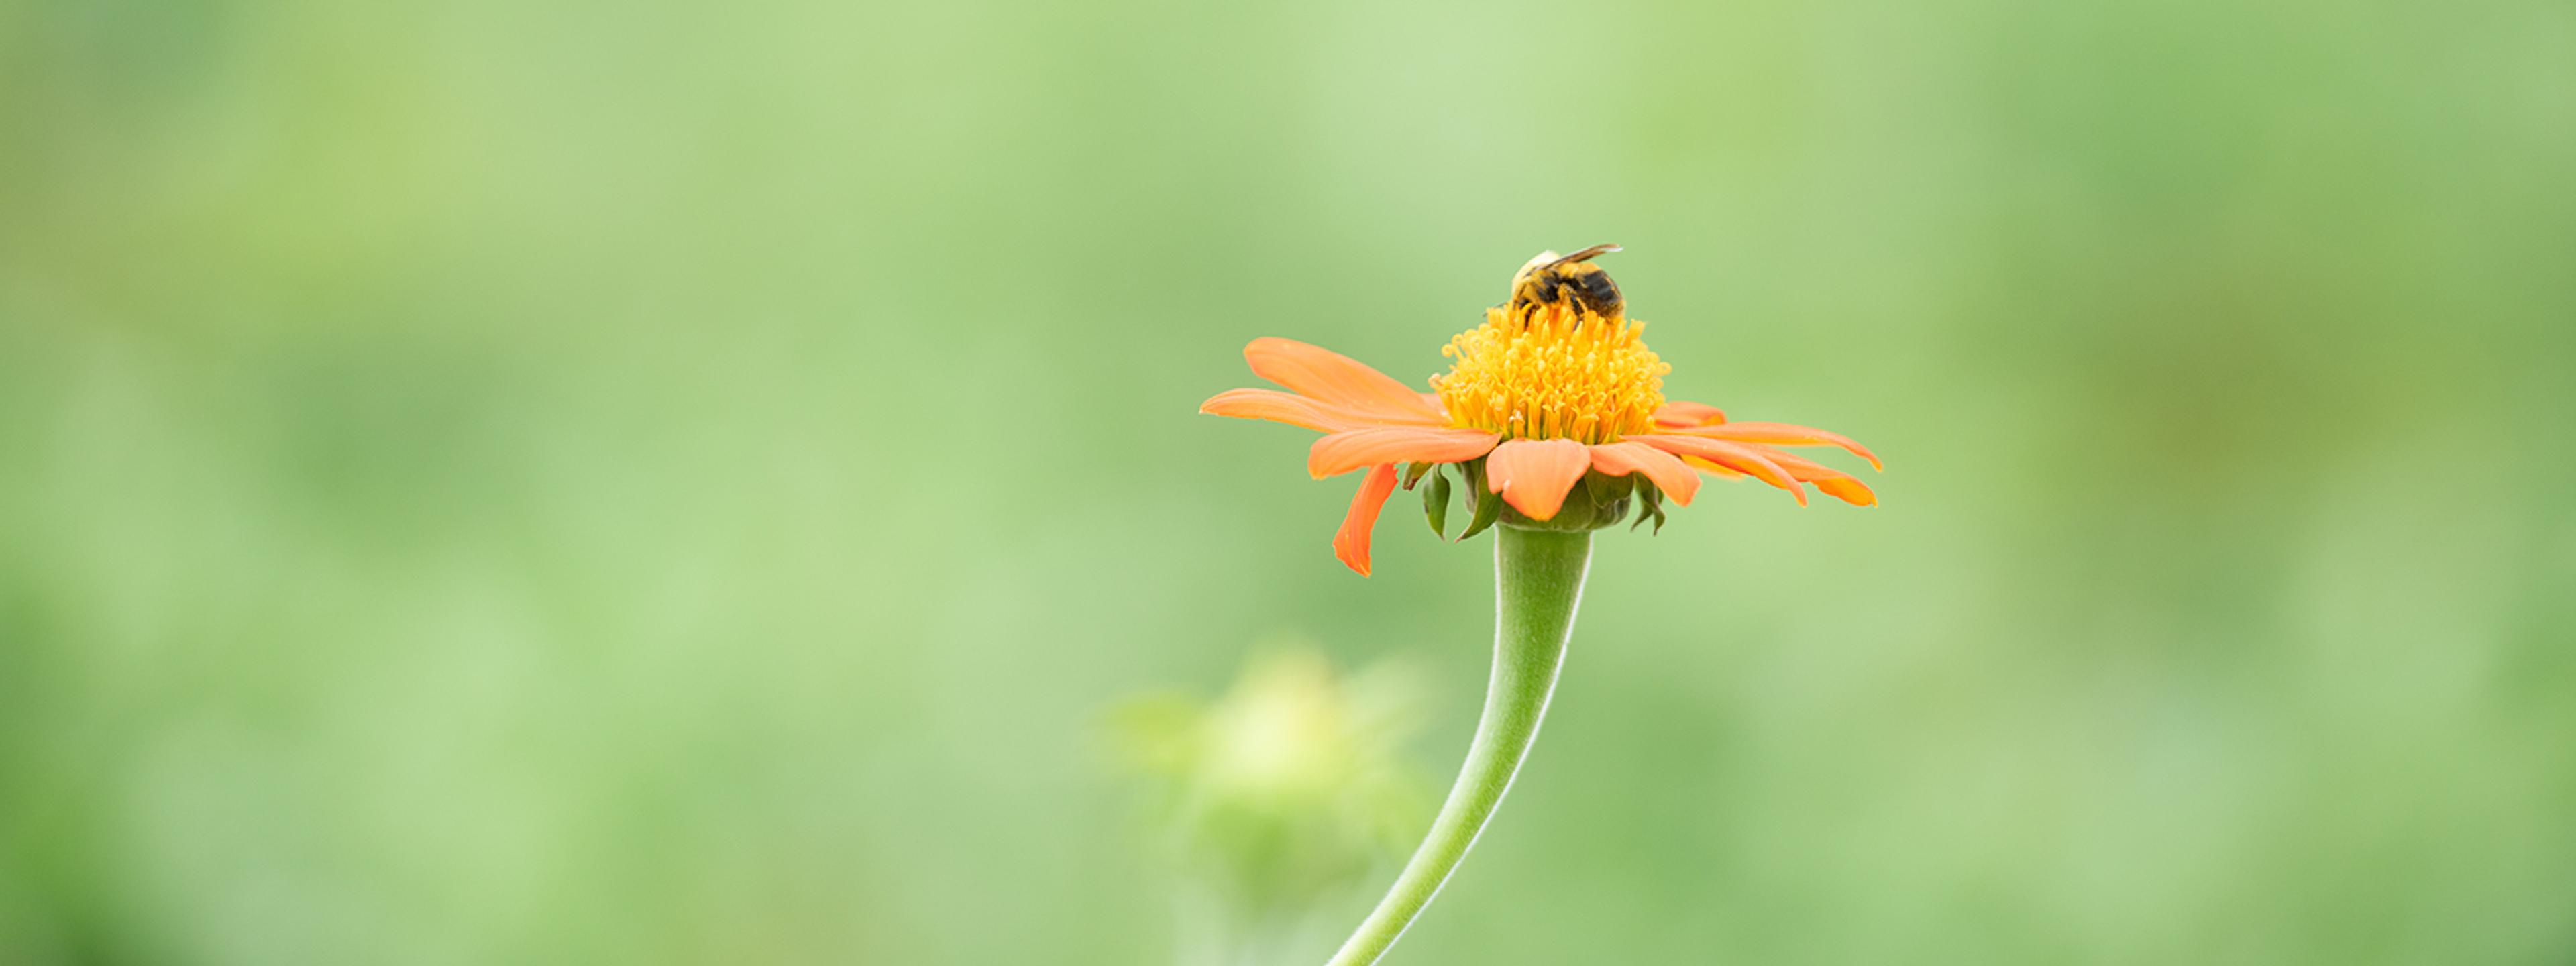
pixel 1550 277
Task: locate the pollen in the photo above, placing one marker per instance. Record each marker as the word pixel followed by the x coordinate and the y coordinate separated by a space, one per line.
pixel 1554 371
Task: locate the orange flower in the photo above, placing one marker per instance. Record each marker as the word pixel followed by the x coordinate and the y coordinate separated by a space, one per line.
pixel 1550 389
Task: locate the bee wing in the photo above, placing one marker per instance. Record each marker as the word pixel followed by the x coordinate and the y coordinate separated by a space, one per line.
pixel 1582 256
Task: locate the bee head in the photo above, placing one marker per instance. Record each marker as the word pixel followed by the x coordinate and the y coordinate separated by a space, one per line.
pixel 1551 277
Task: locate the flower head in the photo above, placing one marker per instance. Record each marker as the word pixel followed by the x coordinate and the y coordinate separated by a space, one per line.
pixel 1553 412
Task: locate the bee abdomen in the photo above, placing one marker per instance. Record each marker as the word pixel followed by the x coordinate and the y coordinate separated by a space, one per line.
pixel 1597 293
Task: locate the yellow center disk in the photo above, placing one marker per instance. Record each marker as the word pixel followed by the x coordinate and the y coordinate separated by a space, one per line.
pixel 1556 372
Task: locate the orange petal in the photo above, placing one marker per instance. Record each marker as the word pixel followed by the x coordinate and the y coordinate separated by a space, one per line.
pixel 1667 471
pixel 1533 475
pixel 1337 379
pixel 1733 456
pixel 1835 483
pixel 1677 414
pixel 1711 469
pixel 1351 542
pixel 1783 434
pixel 1347 451
pixel 1296 410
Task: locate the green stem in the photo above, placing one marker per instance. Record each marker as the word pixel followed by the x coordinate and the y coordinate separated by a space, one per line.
pixel 1538 581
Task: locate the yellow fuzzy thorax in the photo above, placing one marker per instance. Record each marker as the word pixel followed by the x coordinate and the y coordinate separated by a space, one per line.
pixel 1553 372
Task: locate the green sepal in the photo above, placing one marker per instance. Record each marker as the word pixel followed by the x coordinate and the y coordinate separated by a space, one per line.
pixel 1606 489
pixel 1650 505
pixel 1489 505
pixel 1413 473
pixel 1489 508
pixel 1435 503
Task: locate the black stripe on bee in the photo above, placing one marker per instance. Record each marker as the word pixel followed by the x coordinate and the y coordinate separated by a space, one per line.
pixel 1597 292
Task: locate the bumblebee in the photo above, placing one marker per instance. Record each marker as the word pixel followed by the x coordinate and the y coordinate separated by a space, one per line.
pixel 1550 277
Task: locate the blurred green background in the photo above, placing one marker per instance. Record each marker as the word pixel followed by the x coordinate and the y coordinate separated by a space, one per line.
pixel 572 482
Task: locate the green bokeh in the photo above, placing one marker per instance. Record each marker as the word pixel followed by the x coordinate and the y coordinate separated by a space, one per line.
pixel 578 482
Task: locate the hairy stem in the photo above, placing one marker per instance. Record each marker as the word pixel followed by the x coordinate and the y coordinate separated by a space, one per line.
pixel 1538 581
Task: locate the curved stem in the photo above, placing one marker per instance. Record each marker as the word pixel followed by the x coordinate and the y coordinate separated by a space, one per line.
pixel 1538 581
